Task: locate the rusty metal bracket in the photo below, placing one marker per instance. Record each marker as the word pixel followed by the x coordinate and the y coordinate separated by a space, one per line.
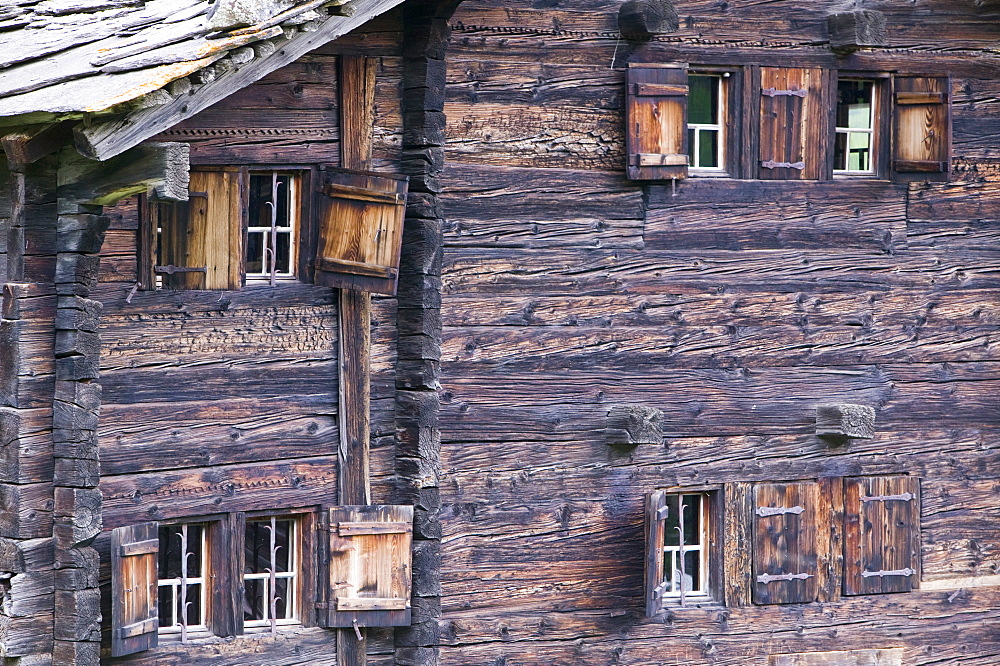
pixel 767 578
pixel 895 572
pixel 765 511
pixel 771 164
pixel 774 92
pixel 904 497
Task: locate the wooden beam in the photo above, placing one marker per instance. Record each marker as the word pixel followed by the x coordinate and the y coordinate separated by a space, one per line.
pixel 357 119
pixel 106 139
pixel 29 145
pixel 862 28
pixel 159 167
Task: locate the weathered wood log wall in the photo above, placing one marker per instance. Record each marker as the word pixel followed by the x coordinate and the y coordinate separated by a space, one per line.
pixel 735 308
pixel 227 400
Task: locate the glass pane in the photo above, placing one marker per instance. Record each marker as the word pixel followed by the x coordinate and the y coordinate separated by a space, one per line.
pixel 193 605
pixel 170 551
pixel 257 548
pixel 254 599
pixel 255 252
pixel 860 151
pixel 165 606
pixel 708 148
pixel 260 194
pixel 284 254
pixel 668 570
pixel 281 587
pixel 284 220
pixel 692 515
pixel 691 143
pixel 283 542
pixel 671 535
pixel 840 151
pixel 854 104
pixel 703 99
pixel 692 570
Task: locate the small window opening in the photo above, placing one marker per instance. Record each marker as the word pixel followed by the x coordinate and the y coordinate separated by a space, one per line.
pixel 270 572
pixel 271 228
pixel 685 546
pixel 854 143
pixel 181 578
pixel 705 129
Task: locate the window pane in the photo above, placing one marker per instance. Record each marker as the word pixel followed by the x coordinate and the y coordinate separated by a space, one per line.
pixel 860 151
pixel 671 535
pixel 840 151
pixel 254 599
pixel 692 522
pixel 692 571
pixel 708 148
pixel 854 104
pixel 193 605
pixel 281 587
pixel 260 194
pixel 703 99
pixel 691 144
pixel 284 254
pixel 165 606
pixel 255 252
pixel 283 534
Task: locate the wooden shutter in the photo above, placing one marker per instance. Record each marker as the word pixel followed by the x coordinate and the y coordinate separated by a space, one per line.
pixel 656 135
pixel 784 549
pixel 360 230
pixel 793 122
pixel 370 566
pixel 922 127
pixel 201 240
pixel 134 617
pixel 881 534
pixel 656 516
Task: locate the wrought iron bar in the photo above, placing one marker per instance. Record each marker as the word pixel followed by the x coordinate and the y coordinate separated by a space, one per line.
pixel 904 497
pixel 765 511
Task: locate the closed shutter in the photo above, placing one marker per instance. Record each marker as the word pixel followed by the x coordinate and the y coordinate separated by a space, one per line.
pixel 793 123
pixel 134 619
pixel 922 128
pixel 881 534
pixel 201 240
pixel 784 549
pixel 360 230
pixel 370 567
pixel 656 516
pixel 656 113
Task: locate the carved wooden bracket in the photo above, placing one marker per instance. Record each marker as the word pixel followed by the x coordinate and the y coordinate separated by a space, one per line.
pixel 845 421
pixel 633 424
pixel 641 19
pixel 850 31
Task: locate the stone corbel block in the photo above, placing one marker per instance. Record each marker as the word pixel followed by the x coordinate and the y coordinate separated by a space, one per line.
pixel 629 425
pixel 845 421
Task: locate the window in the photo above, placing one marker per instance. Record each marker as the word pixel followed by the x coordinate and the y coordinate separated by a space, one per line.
pixel 705 127
pixel 681 545
pixel 260 225
pixel 270 572
pixel 271 228
pixel 181 576
pixel 236 573
pixel 855 128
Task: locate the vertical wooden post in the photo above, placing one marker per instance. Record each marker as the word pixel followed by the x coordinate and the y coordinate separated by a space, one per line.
pixel 356 84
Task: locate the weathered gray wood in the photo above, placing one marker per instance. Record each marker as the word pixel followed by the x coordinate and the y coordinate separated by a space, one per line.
pixel 845 421
pixel 156 167
pixel 105 140
pixel 857 29
pixel 641 19
pixel 630 425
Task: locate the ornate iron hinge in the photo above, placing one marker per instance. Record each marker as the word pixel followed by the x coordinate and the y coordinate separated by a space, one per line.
pixel 765 511
pixel 767 578
pixel 774 92
pixel 171 269
pixel 895 572
pixel 904 497
pixel 771 164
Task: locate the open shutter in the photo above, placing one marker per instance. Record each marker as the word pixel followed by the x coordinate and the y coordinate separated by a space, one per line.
pixel 370 566
pixel 360 230
pixel 201 240
pixel 784 549
pixel 656 516
pixel 656 113
pixel 881 534
pixel 134 618
pixel 792 123
pixel 922 128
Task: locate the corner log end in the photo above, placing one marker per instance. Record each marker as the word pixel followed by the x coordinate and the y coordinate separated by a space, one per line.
pixel 162 168
pixel 850 31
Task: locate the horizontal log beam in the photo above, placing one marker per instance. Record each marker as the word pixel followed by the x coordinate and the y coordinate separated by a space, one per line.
pixel 157 167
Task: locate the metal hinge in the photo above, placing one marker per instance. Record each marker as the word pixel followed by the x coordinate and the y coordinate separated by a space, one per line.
pixel 765 511
pixel 171 269
pixel 774 92
pixel 904 497
pixel 771 164
pixel 895 572
pixel 767 578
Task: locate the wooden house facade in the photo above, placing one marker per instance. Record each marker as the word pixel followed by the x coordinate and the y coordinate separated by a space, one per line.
pixel 539 332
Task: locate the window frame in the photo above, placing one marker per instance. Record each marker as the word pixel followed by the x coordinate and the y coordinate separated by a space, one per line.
pixel 732 116
pixel 719 126
pixel 301 566
pixel 204 580
pixel 295 199
pixel 882 116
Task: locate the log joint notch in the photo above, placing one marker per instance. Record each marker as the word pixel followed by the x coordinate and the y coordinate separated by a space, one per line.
pixel 862 28
pixel 840 422
pixel 631 425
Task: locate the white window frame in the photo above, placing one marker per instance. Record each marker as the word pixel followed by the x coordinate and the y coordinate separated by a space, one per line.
pixel 294 566
pixel 700 588
pixel 292 230
pixel 202 599
pixel 718 126
pixel 848 131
